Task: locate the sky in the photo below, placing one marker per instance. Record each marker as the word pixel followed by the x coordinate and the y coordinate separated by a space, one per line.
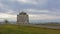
pixel 38 10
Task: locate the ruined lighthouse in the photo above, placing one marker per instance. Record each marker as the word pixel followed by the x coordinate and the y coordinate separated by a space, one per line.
pixel 22 18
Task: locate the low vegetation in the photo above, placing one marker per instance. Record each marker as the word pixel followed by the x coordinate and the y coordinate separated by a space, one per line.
pixel 21 29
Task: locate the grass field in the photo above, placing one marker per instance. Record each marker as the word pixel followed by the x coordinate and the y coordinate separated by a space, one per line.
pixel 21 29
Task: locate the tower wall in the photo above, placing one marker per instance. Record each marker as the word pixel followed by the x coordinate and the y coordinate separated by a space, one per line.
pixel 22 19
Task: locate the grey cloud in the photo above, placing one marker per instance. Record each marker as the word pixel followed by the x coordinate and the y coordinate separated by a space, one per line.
pixel 16 6
pixel 53 7
pixel 54 4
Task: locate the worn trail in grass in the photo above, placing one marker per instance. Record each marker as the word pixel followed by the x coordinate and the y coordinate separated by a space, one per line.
pixel 21 29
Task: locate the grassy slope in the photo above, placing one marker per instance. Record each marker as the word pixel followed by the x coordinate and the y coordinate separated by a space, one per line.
pixel 15 29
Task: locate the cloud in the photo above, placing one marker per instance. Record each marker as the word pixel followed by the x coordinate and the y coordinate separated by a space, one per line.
pixel 35 2
pixel 28 1
pixel 54 4
pixel 44 9
pixel 25 1
pixel 5 12
pixel 35 11
pixel 35 14
pixel 4 16
pixel 1 5
pixel 31 17
pixel 44 17
pixel 16 5
pixel 5 9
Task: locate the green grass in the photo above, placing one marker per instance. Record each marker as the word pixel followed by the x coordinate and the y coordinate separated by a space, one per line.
pixel 21 29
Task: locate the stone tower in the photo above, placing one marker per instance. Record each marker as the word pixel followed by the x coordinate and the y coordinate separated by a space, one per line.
pixel 22 18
